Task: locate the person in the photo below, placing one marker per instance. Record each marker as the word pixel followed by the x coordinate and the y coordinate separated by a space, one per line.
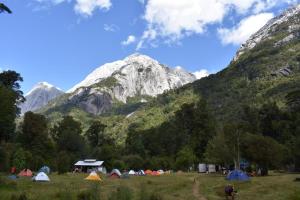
pixel 230 192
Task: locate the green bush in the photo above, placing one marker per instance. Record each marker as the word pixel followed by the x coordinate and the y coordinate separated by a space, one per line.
pixel 63 162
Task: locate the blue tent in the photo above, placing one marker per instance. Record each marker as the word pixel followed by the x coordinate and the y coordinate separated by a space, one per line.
pixel 45 169
pixel 237 175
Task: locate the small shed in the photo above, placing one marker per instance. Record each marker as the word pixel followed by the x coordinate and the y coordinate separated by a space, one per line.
pixel 89 165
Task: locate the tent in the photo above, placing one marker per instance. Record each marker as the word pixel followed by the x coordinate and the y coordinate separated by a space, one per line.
pixel 237 175
pixel 141 173
pixel 93 177
pixel 115 173
pixel 155 173
pixel 41 177
pixel 26 172
pixel 161 172
pixel 148 172
pixel 131 172
pixel 45 169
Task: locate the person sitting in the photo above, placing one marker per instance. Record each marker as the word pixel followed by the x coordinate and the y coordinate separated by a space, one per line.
pixel 230 192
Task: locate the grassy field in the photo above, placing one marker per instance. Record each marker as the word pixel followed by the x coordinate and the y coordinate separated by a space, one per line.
pixel 190 186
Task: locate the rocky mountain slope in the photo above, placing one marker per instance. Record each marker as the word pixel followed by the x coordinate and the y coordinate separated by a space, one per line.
pixel 39 96
pixel 137 77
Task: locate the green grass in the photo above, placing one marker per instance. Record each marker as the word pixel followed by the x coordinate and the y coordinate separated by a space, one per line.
pixel 168 187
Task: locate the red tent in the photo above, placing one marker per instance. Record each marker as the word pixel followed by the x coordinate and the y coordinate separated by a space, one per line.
pixel 148 172
pixel 155 173
pixel 26 172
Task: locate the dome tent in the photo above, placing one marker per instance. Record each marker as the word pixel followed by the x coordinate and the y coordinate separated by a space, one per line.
pixel 45 169
pixel 131 172
pixel 41 177
pixel 26 172
pixel 93 177
pixel 115 173
pixel 237 175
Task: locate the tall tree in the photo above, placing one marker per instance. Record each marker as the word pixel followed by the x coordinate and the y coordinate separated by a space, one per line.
pixel 67 135
pixel 95 134
pixel 10 97
pixel 35 138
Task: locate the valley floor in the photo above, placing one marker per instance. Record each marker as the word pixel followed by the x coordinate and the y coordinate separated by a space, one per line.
pixel 187 186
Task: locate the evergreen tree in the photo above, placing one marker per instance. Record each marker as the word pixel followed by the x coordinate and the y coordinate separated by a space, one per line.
pixel 10 97
pixel 95 134
pixel 67 135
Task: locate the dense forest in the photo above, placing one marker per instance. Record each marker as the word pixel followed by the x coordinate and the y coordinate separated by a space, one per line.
pixel 266 137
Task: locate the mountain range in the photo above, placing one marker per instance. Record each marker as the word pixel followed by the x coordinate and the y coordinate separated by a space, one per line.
pixel 140 92
pixel 137 76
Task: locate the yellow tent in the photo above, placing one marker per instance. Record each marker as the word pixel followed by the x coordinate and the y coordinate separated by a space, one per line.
pixel 93 177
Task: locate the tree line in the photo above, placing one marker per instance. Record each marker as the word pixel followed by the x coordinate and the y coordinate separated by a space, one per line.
pixel 266 137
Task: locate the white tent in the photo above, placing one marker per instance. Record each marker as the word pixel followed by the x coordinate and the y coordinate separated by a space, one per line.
pixel 131 172
pixel 202 168
pixel 41 177
pixel 161 171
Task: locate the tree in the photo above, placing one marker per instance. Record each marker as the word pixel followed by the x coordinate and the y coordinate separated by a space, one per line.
pixel 218 151
pixel 185 159
pixel 4 8
pixel 263 151
pixel 19 159
pixel 95 134
pixel 67 135
pixel 10 97
pixel 63 162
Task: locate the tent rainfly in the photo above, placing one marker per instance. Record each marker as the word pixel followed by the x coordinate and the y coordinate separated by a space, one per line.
pixel 26 172
pixel 41 177
pixel 93 177
pixel 131 172
pixel 115 173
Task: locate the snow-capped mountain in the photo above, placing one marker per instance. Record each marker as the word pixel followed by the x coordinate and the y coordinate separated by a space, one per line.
pixel 39 96
pixel 135 75
pixel 272 26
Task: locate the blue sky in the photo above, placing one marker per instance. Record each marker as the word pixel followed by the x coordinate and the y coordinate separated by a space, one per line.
pixel 62 41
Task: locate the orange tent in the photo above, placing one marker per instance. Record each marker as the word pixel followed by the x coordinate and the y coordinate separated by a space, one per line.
pixel 93 177
pixel 148 172
pixel 26 172
pixel 155 173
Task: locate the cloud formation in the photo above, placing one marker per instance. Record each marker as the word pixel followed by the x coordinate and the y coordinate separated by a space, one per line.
pixel 240 33
pixel 83 7
pixel 201 73
pixel 87 7
pixel 171 20
pixel 131 39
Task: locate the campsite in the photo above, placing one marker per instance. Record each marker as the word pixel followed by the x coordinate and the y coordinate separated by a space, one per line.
pixel 166 187
pixel 150 100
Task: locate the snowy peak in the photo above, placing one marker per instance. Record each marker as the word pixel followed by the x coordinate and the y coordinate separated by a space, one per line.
pixel 271 27
pixel 129 65
pixel 40 95
pixel 43 86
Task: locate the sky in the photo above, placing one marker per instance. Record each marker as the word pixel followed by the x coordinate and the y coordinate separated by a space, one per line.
pixel 62 41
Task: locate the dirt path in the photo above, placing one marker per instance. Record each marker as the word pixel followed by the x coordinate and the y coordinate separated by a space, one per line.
pixel 196 191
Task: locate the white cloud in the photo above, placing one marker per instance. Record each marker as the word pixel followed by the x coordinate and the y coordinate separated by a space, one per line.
pixel 171 20
pixel 201 73
pixel 248 26
pixel 131 39
pixel 87 7
pixel 111 27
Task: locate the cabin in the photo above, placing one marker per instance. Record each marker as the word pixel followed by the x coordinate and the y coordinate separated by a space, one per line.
pixel 89 165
